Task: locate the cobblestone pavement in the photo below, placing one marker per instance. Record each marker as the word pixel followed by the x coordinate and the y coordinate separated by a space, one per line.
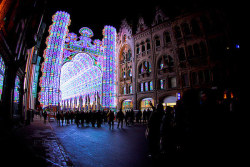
pixel 34 145
pixel 103 147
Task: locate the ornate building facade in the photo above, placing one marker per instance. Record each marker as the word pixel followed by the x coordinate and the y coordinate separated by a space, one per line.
pixel 162 60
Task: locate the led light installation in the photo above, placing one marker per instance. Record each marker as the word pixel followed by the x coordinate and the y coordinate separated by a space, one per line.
pixel 85 68
pixel 51 68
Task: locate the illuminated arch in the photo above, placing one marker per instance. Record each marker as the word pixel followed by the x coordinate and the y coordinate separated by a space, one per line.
pixel 72 54
pixel 80 77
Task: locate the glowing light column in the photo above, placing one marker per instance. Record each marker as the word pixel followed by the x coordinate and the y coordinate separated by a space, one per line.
pixel 53 55
pixel 109 76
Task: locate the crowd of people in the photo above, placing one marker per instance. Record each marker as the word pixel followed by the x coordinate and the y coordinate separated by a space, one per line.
pixel 97 118
pixel 200 125
pixel 196 123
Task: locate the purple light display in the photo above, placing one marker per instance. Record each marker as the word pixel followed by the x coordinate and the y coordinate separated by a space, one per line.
pixel 77 68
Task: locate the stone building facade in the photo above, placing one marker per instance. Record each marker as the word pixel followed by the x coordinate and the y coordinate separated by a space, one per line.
pixel 160 61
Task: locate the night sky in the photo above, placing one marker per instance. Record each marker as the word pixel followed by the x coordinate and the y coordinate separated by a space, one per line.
pixel 96 14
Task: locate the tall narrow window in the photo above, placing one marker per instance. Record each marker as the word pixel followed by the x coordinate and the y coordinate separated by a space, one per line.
pixel 143 47
pixel 173 82
pixel 157 41
pixel 137 49
pixel 148 45
pixel 124 90
pixel 146 86
pixel 185 28
pixel 167 37
pixel 181 54
pixel 16 89
pixel 177 32
pixel 2 71
pixel 197 50
pixel 142 87
pixel 162 84
pixel 130 89
pixel 130 72
pixel 129 55
pixel 195 27
pixel 151 85
pixel 190 51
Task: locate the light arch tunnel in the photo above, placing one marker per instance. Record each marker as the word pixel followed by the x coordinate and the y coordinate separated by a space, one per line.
pixel 80 82
pixel 70 60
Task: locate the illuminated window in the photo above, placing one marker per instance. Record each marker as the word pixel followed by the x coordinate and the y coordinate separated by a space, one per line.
pixel 162 84
pixel 2 70
pixel 130 89
pixel 130 72
pixel 145 104
pixel 16 90
pixel 124 90
pixel 142 89
pixel 146 86
pixel 151 85
pixel 161 66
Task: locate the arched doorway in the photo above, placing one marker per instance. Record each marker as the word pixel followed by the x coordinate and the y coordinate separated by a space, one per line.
pixel 145 104
pixel 169 101
pixel 127 105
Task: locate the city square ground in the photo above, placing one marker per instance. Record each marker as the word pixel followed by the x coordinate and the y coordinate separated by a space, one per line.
pixel 40 144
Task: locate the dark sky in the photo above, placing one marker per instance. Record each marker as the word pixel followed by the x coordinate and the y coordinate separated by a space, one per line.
pixel 96 14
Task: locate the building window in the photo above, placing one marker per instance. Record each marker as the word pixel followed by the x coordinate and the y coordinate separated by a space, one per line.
pixel 161 65
pixel 203 49
pixel 146 86
pixel 185 80
pixel 195 80
pixel 124 74
pixel 143 47
pixel 123 56
pixel 151 85
pixel 162 84
pixel 130 89
pixel 137 49
pixel 197 50
pixel 129 55
pixel 141 68
pixel 195 27
pixel 124 90
pixel 148 44
pixel 185 28
pixel 16 90
pixel 172 82
pixel 157 41
pixel 167 37
pixel 177 31
pixel 2 71
pixel 190 51
pixel 142 89
pixel 207 76
pixel 130 72
pixel 181 54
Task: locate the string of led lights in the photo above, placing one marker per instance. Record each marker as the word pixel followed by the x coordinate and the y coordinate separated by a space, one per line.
pixel 75 68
